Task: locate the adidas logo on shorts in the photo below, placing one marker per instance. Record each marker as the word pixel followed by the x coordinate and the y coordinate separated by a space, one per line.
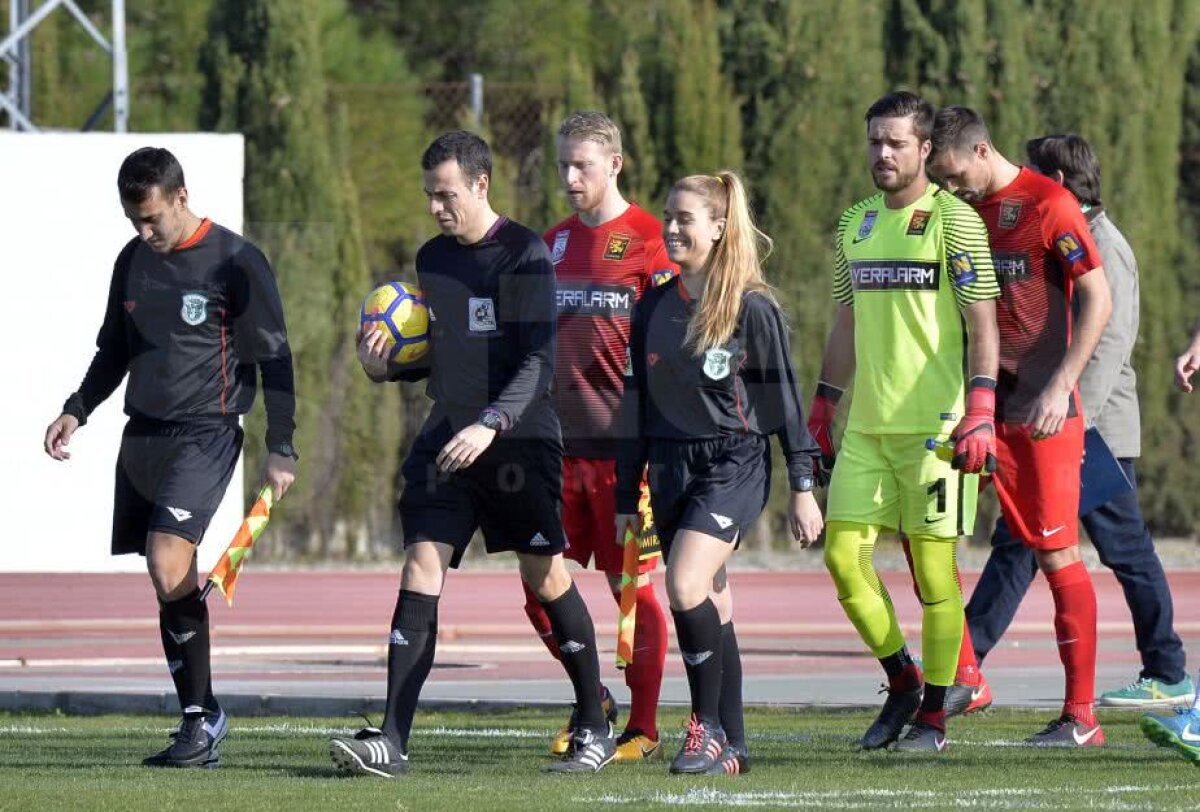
pixel 571 647
pixel 539 540
pixel 180 514
pixel 397 639
pixel 723 522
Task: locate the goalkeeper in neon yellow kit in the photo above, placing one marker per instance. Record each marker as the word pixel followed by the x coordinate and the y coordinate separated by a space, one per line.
pixel 916 292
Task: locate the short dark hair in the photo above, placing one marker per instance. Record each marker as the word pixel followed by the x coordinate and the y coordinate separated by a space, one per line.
pixel 901 104
pixel 468 149
pixel 959 129
pixel 146 169
pixel 1073 156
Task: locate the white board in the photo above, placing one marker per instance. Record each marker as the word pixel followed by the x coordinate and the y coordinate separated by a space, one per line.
pixel 61 228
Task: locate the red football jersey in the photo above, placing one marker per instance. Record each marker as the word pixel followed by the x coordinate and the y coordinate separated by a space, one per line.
pixel 1040 245
pixel 601 273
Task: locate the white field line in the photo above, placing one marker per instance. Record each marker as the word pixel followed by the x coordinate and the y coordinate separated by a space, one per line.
pixel 1002 798
pixel 286 729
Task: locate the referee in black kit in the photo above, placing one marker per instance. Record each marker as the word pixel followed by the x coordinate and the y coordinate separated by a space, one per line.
pixel 710 379
pixel 489 455
pixel 192 311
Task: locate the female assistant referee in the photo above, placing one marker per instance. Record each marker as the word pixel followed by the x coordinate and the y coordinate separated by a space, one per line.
pixel 709 379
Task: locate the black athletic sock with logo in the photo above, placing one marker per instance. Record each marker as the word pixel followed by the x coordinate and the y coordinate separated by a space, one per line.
pixel 412 642
pixel 576 639
pixel 699 633
pixel 183 627
pixel 732 717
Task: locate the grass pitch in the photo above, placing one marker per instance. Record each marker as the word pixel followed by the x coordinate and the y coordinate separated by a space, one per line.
pixel 801 759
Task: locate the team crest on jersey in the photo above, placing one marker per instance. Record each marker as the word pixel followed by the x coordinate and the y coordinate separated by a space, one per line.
pixel 716 363
pixel 1068 246
pixel 1010 213
pixel 195 309
pixel 481 315
pixel 617 245
pixel 962 269
pixel 866 226
pixel 661 277
pixel 560 246
pixel 918 222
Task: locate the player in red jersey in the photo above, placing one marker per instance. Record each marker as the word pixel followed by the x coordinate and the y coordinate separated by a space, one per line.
pixel 1044 255
pixel 605 256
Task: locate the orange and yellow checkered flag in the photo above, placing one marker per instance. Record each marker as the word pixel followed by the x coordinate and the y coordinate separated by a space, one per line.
pixel 224 575
pixel 639 544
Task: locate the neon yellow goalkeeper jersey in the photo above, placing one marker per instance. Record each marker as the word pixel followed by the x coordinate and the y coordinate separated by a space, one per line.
pixel 906 272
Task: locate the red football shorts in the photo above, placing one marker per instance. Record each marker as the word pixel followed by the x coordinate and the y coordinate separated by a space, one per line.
pixel 590 514
pixel 1038 483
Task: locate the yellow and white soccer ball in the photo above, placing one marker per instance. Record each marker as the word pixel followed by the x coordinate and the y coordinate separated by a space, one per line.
pixel 398 309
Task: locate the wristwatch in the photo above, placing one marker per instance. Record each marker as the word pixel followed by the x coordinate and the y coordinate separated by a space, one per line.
pixel 804 484
pixel 284 450
pixel 492 419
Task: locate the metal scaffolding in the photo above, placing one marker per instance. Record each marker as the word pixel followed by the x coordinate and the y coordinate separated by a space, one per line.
pixel 17 99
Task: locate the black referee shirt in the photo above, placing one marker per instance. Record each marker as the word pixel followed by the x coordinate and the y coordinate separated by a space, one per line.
pixel 746 386
pixel 492 320
pixel 190 327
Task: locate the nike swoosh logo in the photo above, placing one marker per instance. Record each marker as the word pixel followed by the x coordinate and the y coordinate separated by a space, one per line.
pixel 940 743
pixel 1187 735
pixel 978 692
pixel 1048 533
pixel 1086 737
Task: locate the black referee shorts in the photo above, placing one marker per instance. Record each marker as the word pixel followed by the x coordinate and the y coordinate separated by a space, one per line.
pixel 170 478
pixel 715 486
pixel 513 492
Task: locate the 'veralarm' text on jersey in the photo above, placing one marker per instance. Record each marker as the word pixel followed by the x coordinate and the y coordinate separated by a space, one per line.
pixel 746 386
pixel 601 273
pixel 189 328
pixel 906 273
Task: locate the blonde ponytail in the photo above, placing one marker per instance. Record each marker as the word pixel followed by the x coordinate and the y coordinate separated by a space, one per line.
pixel 734 267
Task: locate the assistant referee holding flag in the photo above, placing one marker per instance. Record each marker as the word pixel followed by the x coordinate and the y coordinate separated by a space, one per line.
pixel 192 310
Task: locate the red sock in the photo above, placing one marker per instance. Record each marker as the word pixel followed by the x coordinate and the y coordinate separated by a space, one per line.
pixel 932 718
pixel 541 622
pixel 968 666
pixel 645 674
pixel 908 678
pixel 1075 627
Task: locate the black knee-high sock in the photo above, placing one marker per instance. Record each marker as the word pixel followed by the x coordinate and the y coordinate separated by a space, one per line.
pixel 576 638
pixel 183 626
pixel 699 633
pixel 411 646
pixel 732 718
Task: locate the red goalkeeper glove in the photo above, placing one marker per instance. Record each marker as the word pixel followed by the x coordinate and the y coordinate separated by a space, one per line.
pixel 975 435
pixel 820 426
